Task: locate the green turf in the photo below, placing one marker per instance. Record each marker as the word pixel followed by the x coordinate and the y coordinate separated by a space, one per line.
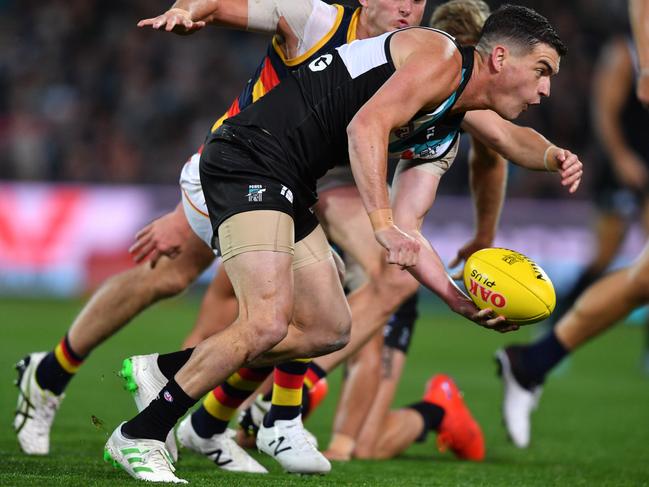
pixel 592 428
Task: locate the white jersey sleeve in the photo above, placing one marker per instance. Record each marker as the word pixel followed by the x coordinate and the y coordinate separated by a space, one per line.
pixel 310 20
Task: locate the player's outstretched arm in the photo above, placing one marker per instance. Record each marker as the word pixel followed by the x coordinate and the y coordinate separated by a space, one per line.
pixel 422 59
pixel 639 15
pixel 524 146
pixel 488 182
pixel 188 16
pixel 413 193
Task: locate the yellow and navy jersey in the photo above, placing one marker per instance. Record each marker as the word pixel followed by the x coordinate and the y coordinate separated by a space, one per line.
pixel 275 66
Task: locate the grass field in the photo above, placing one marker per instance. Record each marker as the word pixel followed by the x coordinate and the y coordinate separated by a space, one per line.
pixel 592 428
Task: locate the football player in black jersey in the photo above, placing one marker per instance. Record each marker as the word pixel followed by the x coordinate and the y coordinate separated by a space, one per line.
pixel 259 188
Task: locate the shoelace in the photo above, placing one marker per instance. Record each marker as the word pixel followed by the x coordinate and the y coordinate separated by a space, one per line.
pixel 157 459
pixel 46 413
pixel 298 438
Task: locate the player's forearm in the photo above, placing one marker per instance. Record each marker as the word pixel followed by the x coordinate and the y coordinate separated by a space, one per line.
pixel 639 15
pixel 367 156
pixel 227 13
pixel 198 9
pixel 488 180
pixel 609 131
pixel 430 272
pixel 522 145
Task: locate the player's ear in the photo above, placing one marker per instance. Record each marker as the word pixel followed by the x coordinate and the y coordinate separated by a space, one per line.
pixel 498 56
pixel 364 3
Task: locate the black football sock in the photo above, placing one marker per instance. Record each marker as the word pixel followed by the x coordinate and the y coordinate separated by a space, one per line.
pixel 58 367
pixel 156 420
pixel 170 363
pixel 432 414
pixel 531 363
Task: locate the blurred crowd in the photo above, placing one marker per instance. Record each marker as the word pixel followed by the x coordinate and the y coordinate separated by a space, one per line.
pixel 86 96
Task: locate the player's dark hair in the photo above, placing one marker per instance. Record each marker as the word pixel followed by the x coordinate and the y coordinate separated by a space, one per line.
pixel 519 27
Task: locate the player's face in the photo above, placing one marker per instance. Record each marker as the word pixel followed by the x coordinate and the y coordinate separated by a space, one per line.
pixel 388 15
pixel 525 79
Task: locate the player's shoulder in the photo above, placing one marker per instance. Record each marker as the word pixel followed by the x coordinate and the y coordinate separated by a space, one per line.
pixel 425 46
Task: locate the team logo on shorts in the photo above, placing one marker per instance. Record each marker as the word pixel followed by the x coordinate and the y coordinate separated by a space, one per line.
pixel 287 193
pixel 255 192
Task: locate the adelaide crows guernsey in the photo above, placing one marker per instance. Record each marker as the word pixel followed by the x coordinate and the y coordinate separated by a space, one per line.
pixel 305 118
pixel 274 67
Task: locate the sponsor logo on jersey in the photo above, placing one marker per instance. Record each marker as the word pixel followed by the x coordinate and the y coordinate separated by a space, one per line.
pixel 321 63
pixel 255 192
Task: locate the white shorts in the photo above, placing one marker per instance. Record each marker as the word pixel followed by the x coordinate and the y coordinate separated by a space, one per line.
pixel 194 200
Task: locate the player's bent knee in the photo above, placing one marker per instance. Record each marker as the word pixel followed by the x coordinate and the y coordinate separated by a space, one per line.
pixel 638 285
pixel 172 282
pixel 265 334
pixel 331 337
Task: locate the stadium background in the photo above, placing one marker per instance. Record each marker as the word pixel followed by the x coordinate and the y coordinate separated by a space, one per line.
pixel 96 119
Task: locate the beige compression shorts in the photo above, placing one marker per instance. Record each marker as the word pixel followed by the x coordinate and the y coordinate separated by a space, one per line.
pixel 271 231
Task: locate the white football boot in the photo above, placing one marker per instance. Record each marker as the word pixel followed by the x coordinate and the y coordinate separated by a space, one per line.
pixel 286 441
pixel 251 418
pixel 144 380
pixel 518 403
pixel 221 449
pixel 36 408
pixel 142 459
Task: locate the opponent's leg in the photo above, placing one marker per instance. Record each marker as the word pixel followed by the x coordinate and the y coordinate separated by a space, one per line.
pixel 610 229
pixel 524 368
pixel 44 377
pixel 218 309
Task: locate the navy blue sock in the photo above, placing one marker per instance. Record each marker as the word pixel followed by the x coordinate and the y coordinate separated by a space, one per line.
pixel 58 367
pixel 207 425
pixel 539 358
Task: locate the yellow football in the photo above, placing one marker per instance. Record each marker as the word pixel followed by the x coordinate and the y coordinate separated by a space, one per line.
pixel 511 284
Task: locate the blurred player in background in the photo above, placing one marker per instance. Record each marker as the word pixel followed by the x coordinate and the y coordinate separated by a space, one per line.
pixel 622 181
pixel 623 187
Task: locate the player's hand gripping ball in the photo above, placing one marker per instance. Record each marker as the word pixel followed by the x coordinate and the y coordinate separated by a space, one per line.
pixel 509 283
